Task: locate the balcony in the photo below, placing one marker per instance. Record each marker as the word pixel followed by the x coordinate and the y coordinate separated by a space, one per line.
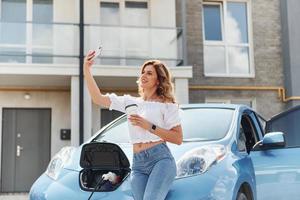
pixel 129 45
pixel 58 43
pixel 39 43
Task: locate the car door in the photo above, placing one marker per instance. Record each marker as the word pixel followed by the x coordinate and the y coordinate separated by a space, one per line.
pixel 277 170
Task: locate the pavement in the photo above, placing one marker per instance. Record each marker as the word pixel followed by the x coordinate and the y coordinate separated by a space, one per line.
pixel 14 196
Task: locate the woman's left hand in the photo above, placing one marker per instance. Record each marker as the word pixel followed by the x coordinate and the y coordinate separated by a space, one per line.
pixel 137 120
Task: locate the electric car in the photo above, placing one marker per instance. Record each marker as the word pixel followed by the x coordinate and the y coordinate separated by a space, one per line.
pixel 225 154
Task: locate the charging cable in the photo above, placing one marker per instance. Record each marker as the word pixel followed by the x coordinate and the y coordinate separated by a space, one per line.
pixel 98 185
pixel 110 176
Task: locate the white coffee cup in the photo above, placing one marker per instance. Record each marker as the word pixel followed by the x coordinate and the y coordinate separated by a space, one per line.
pixel 131 109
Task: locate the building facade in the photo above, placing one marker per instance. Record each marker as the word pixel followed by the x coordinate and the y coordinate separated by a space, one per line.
pixel 221 51
pixel 40 45
pixel 234 45
pixel 242 51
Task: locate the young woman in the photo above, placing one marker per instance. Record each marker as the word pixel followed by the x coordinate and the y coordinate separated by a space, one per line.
pixel 156 122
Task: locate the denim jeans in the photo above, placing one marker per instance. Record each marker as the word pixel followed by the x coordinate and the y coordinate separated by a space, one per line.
pixel 153 171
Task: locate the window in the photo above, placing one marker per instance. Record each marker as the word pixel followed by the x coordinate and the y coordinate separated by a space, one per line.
pixel 202 128
pixel 288 123
pixel 116 133
pixel 107 116
pixel 123 22
pixel 212 13
pixel 262 122
pixel 217 101
pixel 248 102
pixel 136 13
pixel 13 14
pixel 248 135
pixel 42 17
pixel 13 31
pixel 227 50
pixel 109 13
pixel 18 38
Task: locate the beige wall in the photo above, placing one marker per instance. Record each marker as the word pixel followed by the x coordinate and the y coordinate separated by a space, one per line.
pixel 163 13
pixel 59 102
pixel 66 11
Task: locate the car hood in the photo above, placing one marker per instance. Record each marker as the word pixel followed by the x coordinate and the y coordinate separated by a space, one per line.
pixel 177 152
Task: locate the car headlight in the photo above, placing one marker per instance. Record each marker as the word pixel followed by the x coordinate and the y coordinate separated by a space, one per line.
pixel 198 160
pixel 58 162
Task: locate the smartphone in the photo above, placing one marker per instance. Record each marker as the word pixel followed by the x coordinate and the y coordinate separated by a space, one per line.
pixel 97 52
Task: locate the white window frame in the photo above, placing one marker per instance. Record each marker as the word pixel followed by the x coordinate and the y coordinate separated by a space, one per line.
pixel 213 100
pixel 229 100
pixel 225 44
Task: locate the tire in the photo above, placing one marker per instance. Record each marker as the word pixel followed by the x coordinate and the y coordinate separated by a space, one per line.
pixel 242 196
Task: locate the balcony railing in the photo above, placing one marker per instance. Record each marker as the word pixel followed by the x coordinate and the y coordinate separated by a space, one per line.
pixel 29 42
pixel 58 43
pixel 131 45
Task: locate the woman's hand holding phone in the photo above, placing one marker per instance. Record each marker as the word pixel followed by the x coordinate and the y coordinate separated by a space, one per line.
pixel 97 52
pixel 89 59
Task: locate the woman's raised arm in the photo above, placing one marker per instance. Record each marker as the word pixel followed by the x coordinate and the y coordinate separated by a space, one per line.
pixel 96 95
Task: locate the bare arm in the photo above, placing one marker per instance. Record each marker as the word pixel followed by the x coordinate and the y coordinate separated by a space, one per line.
pixel 96 95
pixel 174 135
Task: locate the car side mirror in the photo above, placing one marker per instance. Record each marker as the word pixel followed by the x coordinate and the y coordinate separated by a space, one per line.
pixel 271 140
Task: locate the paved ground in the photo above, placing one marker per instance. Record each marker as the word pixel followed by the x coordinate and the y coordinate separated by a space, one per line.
pixel 13 196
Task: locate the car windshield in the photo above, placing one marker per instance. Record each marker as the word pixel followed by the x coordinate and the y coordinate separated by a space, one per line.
pixel 197 124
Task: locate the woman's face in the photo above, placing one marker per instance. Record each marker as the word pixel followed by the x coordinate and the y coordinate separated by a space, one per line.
pixel 148 78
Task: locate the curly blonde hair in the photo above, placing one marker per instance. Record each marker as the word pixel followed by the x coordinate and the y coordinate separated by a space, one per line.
pixel 165 87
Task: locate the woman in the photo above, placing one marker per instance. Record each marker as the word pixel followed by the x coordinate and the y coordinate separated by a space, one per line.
pixel 156 122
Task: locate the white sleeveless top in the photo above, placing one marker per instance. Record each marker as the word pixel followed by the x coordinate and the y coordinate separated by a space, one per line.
pixel 163 115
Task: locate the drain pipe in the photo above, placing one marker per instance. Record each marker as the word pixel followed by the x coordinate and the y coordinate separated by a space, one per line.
pixel 184 36
pixel 81 81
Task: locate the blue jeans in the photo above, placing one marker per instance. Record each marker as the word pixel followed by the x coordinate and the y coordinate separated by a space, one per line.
pixel 153 171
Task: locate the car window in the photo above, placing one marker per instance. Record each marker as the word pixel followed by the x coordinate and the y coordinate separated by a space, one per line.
pixel 242 140
pixel 262 122
pixel 197 124
pixel 248 135
pixel 117 132
pixel 288 123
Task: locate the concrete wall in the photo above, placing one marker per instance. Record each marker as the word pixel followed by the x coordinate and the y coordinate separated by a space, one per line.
pixel 163 13
pixel 66 11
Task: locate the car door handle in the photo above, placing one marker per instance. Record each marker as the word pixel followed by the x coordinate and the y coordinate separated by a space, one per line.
pixel 19 149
